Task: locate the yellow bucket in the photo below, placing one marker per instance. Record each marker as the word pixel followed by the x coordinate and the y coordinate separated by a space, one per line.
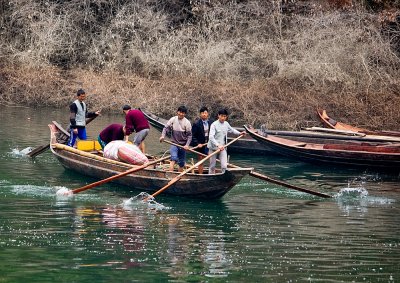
pixel 88 145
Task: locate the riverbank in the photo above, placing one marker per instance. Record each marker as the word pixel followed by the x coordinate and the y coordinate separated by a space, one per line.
pixel 278 104
pixel 268 62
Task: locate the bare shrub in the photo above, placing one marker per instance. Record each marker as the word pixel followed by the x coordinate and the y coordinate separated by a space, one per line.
pixel 35 86
pixel 267 61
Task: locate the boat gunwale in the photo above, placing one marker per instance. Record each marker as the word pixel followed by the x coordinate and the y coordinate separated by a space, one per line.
pixel 325 155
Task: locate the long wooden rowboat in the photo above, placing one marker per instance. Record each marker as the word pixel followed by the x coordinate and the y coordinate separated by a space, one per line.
pixel 331 123
pixel 249 145
pixel 364 154
pixel 150 179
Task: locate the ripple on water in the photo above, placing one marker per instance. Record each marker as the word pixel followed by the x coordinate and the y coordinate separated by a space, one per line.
pixel 264 187
pixel 351 193
pixel 33 190
pixel 143 200
pixel 358 199
pixel 16 153
pixel 49 192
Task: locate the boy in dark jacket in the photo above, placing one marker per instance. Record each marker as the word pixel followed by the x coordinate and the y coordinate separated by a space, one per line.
pixel 200 132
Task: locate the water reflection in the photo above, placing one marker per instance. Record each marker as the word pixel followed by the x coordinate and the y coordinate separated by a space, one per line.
pixel 137 237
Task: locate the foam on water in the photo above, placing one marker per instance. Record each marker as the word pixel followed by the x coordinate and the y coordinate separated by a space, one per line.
pixel 41 191
pixel 357 200
pixel 351 193
pixel 64 192
pixel 143 200
pixel 15 152
pixel 2 182
pixel 32 190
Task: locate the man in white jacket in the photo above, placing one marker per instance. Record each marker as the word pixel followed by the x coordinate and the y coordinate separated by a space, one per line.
pixel 217 139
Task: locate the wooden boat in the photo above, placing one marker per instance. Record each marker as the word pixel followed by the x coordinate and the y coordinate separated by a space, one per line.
pixel 249 145
pixel 150 179
pixel 359 154
pixel 331 123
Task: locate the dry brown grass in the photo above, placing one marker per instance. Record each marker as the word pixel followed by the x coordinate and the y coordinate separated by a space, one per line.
pixel 265 65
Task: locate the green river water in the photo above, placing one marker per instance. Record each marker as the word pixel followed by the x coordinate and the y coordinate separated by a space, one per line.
pixel 258 232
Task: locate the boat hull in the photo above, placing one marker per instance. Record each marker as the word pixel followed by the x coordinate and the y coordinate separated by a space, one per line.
pixel 331 123
pixel 206 186
pixel 331 153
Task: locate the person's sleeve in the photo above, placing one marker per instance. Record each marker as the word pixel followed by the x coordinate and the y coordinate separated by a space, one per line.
pixel 189 136
pixel 90 114
pixel 211 136
pixel 195 133
pixel 232 130
pixel 167 127
pixel 128 125
pixel 72 115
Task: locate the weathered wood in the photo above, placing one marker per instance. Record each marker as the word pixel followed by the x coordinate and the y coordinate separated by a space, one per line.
pixel 340 132
pixel 331 123
pixel 40 149
pixel 109 179
pixel 356 154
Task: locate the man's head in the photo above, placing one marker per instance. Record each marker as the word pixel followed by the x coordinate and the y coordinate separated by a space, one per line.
pixel 203 113
pixel 222 115
pixel 126 109
pixel 181 112
pixel 81 94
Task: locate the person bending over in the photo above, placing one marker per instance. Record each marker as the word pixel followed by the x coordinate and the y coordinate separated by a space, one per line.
pixel 111 133
pixel 135 121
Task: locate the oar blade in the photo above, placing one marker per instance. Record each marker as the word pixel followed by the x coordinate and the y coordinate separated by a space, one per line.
pixel 38 150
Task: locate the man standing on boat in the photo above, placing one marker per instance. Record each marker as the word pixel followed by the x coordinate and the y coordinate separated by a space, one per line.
pixel 200 132
pixel 111 133
pixel 181 133
pixel 218 136
pixel 77 118
pixel 135 121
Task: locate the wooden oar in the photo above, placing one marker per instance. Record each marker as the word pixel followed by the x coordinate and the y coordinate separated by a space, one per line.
pixel 40 149
pixel 95 184
pixel 135 169
pixel 335 131
pixel 266 178
pixel 177 178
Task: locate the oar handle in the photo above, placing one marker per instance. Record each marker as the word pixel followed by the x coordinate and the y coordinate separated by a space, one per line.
pixel 177 178
pixel 87 187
